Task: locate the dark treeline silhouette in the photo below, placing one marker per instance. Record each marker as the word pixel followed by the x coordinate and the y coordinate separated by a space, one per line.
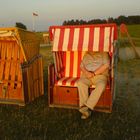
pixel 20 25
pixel 121 19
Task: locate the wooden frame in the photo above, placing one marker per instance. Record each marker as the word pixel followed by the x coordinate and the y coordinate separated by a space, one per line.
pixel 67 96
pixel 21 70
pixel 104 104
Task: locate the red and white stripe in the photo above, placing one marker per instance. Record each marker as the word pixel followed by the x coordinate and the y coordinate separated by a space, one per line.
pixel 84 38
pixel 68 67
pixel 67 64
pixel 70 44
pixel 58 63
pixel 69 81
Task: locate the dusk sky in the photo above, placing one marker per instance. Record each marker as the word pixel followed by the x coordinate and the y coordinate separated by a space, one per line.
pixel 54 12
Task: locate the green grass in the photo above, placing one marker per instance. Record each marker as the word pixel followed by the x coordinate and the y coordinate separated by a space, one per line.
pixel 40 36
pixel 47 59
pixel 134 32
pixel 36 121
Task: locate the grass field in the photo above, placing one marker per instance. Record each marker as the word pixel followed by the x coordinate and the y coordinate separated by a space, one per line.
pixel 134 30
pixel 36 121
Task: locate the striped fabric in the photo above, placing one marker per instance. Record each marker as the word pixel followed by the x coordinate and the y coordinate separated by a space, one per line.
pixel 84 38
pixel 72 62
pixel 58 63
pixel 70 44
pixel 67 64
pixel 69 81
pixel 68 67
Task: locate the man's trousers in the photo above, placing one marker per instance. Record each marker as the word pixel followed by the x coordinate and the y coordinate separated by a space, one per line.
pixel 84 83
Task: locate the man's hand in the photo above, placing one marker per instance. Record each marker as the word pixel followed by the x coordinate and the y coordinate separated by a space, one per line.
pixel 89 74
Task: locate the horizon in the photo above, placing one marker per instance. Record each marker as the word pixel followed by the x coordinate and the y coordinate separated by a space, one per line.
pixel 52 12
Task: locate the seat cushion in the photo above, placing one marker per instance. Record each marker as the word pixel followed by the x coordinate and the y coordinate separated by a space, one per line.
pixel 69 81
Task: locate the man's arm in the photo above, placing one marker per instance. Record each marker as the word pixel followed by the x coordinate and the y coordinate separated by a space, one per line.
pixel 101 69
pixel 105 66
pixel 87 73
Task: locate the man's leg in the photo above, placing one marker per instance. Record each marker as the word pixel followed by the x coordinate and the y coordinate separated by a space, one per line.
pixel 100 85
pixel 83 85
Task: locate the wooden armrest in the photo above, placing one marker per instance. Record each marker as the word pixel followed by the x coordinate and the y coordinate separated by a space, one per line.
pixel 52 77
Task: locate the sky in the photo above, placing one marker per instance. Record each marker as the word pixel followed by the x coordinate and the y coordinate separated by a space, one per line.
pixel 54 12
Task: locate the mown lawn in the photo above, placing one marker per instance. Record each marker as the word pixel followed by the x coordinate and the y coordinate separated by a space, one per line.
pixel 134 32
pixel 36 121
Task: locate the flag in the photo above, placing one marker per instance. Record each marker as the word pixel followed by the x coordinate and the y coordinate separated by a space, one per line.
pixel 34 14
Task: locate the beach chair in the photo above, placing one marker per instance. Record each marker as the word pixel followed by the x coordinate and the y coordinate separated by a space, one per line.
pixel 21 73
pixel 69 46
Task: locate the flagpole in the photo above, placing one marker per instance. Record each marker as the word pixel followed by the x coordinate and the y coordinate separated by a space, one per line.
pixel 33 23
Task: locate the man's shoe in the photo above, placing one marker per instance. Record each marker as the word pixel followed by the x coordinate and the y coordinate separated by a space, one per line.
pixel 83 109
pixel 85 112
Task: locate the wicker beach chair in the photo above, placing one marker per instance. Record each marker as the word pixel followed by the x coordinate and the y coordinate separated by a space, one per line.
pixel 69 46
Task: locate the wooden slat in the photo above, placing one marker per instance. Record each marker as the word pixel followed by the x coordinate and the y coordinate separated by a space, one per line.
pixel 14 63
pixel 11 60
pixel 10 81
pixel 19 76
pixel 35 69
pixel 3 55
pixel 0 49
pixel 30 82
pixel 41 76
pixel 8 64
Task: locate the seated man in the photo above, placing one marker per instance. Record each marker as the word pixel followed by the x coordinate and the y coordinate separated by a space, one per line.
pixel 94 67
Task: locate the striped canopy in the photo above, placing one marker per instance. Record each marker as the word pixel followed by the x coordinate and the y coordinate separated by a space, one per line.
pixel 84 38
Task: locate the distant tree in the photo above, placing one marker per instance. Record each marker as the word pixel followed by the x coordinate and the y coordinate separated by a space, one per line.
pixel 20 25
pixel 118 21
pixel 90 21
pixel 110 20
pixel 104 21
pixel 77 22
pixel 81 22
pixel 98 21
pixel 72 22
pixel 122 19
pixel 134 19
pixel 65 22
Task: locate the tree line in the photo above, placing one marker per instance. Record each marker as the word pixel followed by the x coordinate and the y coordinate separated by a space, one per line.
pixel 20 25
pixel 121 19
